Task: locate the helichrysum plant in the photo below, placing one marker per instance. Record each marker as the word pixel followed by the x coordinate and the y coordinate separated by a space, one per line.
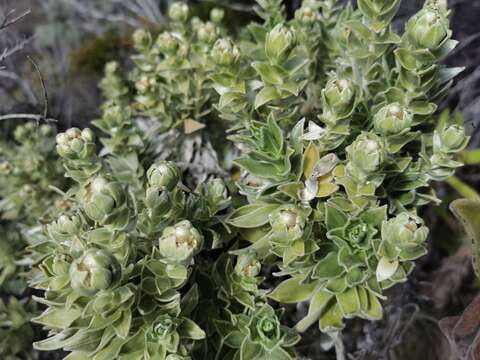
pixel 331 118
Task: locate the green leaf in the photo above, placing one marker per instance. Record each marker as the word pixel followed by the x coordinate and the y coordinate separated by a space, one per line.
pixel 349 302
pixel 292 291
pixel 375 216
pixel 58 318
pixel 252 216
pixel 267 94
pixel 319 301
pixel 190 330
pixel 122 327
pixel 268 73
pixel 111 351
pixel 250 351
pixel 467 212
pixel 261 169
pixel 328 268
pixel 331 318
pixel 371 308
pixel 334 218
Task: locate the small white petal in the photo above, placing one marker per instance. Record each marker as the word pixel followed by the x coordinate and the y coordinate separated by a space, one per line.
pixel 310 191
pixel 386 269
pixel 315 132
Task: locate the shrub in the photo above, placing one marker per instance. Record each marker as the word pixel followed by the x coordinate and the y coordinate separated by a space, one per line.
pixel 331 121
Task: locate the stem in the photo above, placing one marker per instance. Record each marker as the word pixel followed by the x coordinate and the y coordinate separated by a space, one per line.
pixel 470 157
pixel 463 188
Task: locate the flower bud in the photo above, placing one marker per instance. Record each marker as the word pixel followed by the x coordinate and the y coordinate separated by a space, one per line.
pixel 450 139
pixel 279 43
pixel 142 40
pixel 207 33
pixel 248 265
pixel 401 232
pixel 216 189
pixel 225 53
pixel 306 15
pixel 178 12
pixel 76 144
pixel 366 154
pixel 94 271
pixel 6 168
pixel 287 223
pixel 103 200
pixel 392 119
pixel 179 243
pixel 168 42
pixel 429 28
pixel 163 176
pixel 339 95
pixel 45 130
pixel 25 131
pixel 217 15
pixel 65 227
pixel 111 67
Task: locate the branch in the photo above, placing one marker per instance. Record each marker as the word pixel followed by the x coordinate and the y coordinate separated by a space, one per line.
pixel 8 21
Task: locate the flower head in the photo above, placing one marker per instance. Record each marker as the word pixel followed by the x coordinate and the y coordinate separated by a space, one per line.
pixel 429 28
pixel 179 243
pixel 94 271
pixel 225 53
pixel 392 119
pixel 279 43
pixel 163 176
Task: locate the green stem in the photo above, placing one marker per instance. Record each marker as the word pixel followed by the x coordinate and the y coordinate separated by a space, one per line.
pixel 463 188
pixel 470 157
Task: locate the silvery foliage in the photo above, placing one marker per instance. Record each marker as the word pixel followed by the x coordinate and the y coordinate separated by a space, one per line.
pixel 333 114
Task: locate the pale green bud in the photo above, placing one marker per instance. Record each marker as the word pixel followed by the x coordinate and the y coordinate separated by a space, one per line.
pixel 450 139
pixel 401 232
pixel 142 40
pixel 24 132
pixel 207 33
pixel 429 28
pixel 306 15
pixel 94 271
pixel 225 53
pixel 287 223
pixel 65 227
pixel 217 15
pixel 178 12
pixel 163 176
pixel 392 119
pixel 366 154
pixel 111 67
pixel 279 43
pixel 76 144
pixel 6 168
pixel 216 189
pixel 168 42
pixel 103 199
pixel 45 130
pixel 248 265
pixel 179 243
pixel 339 95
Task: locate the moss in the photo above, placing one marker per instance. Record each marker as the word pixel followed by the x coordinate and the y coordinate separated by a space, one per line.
pixel 96 51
